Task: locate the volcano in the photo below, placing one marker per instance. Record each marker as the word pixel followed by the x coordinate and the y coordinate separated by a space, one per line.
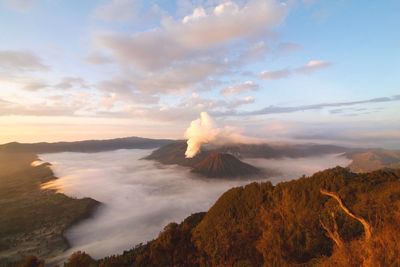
pixel 217 165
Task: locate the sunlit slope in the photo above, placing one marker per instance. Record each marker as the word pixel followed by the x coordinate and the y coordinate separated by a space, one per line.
pixel 286 225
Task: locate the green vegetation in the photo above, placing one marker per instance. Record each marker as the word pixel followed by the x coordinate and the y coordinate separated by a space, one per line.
pixel 312 221
pixel 32 221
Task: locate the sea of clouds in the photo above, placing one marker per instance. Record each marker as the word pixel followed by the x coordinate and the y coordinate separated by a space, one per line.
pixel 140 197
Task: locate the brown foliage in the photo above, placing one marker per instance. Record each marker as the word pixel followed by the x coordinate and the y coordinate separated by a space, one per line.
pixel 80 259
pixel 265 225
pixel 32 261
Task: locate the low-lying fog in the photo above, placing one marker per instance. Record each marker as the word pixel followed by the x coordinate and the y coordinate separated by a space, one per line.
pixel 140 197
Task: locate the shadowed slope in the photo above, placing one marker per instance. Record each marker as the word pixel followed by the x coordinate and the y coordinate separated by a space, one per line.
pixel 86 146
pixel 32 221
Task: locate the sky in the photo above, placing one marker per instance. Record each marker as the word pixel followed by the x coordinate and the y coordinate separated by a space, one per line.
pixel 305 70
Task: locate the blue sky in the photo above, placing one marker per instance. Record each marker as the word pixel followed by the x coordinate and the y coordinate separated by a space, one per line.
pixel 310 70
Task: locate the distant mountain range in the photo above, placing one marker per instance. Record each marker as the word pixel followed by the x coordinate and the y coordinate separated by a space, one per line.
pixel 363 159
pixel 89 146
pixel 173 151
pixel 370 160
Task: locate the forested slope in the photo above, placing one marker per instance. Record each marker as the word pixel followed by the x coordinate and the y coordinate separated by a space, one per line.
pixel 290 224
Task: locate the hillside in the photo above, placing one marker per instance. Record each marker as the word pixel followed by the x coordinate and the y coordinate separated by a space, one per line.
pixel 174 153
pixel 216 165
pixel 32 221
pixel 85 146
pixel 209 163
pixel 333 218
pixel 363 160
pixel 370 160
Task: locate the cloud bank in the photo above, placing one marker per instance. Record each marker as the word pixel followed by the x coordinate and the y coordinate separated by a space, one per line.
pixel 140 197
pixel 311 66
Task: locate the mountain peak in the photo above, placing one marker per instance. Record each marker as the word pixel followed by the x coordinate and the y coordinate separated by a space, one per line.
pixel 223 165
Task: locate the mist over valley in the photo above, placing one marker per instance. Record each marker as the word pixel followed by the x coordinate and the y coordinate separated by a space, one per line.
pixel 139 197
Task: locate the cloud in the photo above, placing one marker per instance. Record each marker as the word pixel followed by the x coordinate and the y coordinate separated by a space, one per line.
pixel 184 110
pixel 241 101
pixel 98 59
pixel 124 89
pixel 310 67
pixel 71 82
pixel 4 103
pixel 175 41
pixel 196 101
pixel 192 52
pixel 40 109
pixel 255 52
pixel 128 11
pixel 11 60
pixel 35 86
pixel 240 88
pixel 288 47
pixel 197 14
pixel 278 110
pixel 169 193
pixel 362 133
pixel 20 5
pixel 273 75
pixel 117 11
pixel 175 79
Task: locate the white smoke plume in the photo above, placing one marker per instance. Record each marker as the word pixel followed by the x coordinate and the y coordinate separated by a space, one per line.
pixel 205 131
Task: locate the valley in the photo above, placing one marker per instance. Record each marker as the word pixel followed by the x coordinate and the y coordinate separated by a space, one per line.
pixel 156 187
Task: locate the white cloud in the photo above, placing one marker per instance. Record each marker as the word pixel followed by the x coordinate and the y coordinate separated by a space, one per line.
pixel 116 11
pixel 71 82
pixel 228 7
pixel 98 59
pixel 20 5
pixel 197 14
pixel 240 88
pixel 277 74
pixel 310 67
pixel 35 86
pixel 12 60
pixel 175 41
pixel 193 52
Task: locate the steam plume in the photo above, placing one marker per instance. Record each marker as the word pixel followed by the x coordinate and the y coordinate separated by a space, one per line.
pixel 204 130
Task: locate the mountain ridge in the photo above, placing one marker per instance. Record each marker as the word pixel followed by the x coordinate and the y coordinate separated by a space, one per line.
pixel 87 146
